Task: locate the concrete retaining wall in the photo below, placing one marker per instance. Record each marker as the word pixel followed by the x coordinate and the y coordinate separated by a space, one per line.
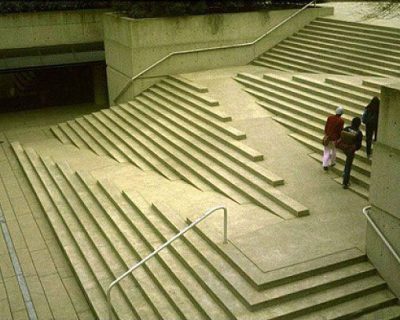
pixel 134 44
pixel 37 29
pixel 384 191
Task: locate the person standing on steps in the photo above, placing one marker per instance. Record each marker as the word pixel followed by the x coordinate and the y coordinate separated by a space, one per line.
pixel 350 141
pixel 370 119
pixel 333 126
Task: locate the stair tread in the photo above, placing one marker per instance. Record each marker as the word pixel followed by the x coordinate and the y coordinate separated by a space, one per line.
pixel 238 166
pixel 247 292
pixel 122 152
pixel 325 50
pixel 190 154
pixel 347 38
pixel 331 40
pixel 94 292
pixel 186 82
pixel 88 140
pixel 190 92
pixel 354 61
pixel 180 270
pixel 105 146
pixel 103 278
pixel 95 240
pixel 387 313
pixel 149 152
pixel 207 125
pixel 321 106
pixel 355 307
pixel 76 140
pixel 60 135
pixel 187 102
pixel 340 67
pixel 359 24
pixel 355 32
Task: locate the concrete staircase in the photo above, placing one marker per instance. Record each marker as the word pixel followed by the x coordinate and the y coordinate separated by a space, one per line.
pixel 302 103
pixel 103 231
pixel 174 129
pixel 338 47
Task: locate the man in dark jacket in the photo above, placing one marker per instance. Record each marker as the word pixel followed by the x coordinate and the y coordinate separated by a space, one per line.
pixel 370 119
pixel 351 147
pixel 333 127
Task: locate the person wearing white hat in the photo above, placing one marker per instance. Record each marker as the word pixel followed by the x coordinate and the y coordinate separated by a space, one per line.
pixel 333 126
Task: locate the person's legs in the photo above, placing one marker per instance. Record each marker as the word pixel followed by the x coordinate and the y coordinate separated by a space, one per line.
pixel 326 159
pixel 347 169
pixel 368 137
pixel 333 154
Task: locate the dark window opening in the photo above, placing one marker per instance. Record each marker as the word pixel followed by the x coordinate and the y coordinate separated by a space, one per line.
pixel 46 87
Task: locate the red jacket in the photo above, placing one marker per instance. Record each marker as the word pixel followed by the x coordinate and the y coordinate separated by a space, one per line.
pixel 333 127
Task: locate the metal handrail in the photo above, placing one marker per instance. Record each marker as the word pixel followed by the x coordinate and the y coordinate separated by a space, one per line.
pixel 211 48
pixel 388 245
pixel 201 218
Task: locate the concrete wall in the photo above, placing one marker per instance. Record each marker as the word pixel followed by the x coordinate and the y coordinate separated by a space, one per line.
pixel 385 188
pixel 36 29
pixel 134 44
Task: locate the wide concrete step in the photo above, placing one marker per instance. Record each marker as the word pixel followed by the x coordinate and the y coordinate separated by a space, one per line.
pixel 263 281
pixel 187 103
pixel 347 92
pixel 374 304
pixel 346 23
pixel 88 265
pixel 364 33
pixel 167 297
pixel 188 83
pixel 299 64
pixel 201 122
pixel 355 102
pixel 348 84
pixel 356 177
pixel 386 313
pixel 198 140
pixel 329 63
pixel 236 181
pixel 330 40
pixel 114 245
pixel 105 146
pixel 352 63
pixel 325 34
pixel 184 89
pixel 255 299
pixel 364 29
pixel 362 54
pixel 72 136
pixel 114 142
pixel 60 135
pixel 151 155
pixel 180 269
pixel 267 90
pixel 277 64
pixel 88 140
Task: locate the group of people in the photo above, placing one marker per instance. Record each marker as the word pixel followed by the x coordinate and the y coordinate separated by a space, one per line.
pixel 349 139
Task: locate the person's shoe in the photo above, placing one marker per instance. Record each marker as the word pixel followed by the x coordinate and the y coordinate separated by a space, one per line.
pixel 345 186
pixel 326 168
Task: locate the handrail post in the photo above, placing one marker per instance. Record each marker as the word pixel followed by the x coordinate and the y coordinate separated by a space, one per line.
pixel 225 225
pixel 131 269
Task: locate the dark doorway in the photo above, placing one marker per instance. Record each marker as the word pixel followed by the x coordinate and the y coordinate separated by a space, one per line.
pixel 45 87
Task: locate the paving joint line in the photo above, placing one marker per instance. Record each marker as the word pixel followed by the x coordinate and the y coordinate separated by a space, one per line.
pixel 17 268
